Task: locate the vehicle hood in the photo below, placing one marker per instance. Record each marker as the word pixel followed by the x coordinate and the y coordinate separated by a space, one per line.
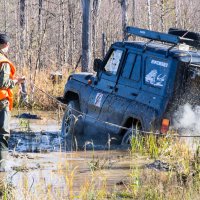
pixel 81 77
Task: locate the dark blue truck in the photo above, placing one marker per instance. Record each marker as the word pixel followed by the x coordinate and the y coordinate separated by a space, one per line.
pixel 138 85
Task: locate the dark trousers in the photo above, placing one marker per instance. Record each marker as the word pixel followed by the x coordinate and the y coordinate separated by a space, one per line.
pixel 4 125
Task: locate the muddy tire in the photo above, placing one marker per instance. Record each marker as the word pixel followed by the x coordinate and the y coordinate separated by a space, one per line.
pixel 129 134
pixel 69 123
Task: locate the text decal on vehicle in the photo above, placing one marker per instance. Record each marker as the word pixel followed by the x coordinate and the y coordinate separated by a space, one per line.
pixel 160 63
pixel 98 99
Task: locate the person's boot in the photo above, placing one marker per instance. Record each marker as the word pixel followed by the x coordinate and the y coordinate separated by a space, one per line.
pixel 3 157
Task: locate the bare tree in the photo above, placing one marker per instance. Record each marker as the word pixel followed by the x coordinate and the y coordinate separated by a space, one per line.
pixel 5 15
pixel 149 15
pixel 70 31
pixel 86 47
pixel 133 12
pixel 95 10
pixel 124 17
pixel 176 12
pixel 22 30
pixel 39 30
pixel 40 15
pixel 162 8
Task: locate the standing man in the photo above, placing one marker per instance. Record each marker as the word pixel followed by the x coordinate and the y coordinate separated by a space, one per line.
pixel 7 82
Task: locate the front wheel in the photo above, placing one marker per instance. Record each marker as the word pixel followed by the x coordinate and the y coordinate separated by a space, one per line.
pixel 129 135
pixel 69 123
pixel 68 120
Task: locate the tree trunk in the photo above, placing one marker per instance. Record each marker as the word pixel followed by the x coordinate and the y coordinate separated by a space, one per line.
pixel 39 30
pixel 162 8
pixel 59 38
pixel 70 31
pixel 133 17
pixel 86 47
pixel 177 7
pixel 103 48
pixel 22 29
pixel 63 33
pixel 95 9
pixel 149 14
pixel 124 17
pixel 5 15
pixel 133 12
pixel 40 16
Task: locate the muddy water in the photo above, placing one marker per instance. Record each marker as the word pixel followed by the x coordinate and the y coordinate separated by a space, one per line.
pixel 38 160
pixel 36 135
pixel 56 168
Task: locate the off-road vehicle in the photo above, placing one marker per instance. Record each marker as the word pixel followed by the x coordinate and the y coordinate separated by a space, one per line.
pixel 139 84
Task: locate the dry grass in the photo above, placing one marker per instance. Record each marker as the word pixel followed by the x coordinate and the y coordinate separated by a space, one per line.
pixel 38 99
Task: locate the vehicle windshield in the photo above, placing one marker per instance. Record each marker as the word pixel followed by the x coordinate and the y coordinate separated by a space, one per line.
pixel 113 62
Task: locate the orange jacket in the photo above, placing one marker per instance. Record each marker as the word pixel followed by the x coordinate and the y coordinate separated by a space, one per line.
pixel 7 93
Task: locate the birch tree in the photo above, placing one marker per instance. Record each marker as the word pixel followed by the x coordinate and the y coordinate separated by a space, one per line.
pixel 149 14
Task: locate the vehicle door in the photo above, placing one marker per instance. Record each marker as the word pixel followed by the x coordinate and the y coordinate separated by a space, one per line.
pixel 104 86
pixel 126 90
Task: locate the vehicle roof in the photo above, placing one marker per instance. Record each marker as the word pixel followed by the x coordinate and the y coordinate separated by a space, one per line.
pixel 190 56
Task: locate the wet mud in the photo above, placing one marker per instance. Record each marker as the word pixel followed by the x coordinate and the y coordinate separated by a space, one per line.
pixel 37 155
pixel 38 160
pixel 36 135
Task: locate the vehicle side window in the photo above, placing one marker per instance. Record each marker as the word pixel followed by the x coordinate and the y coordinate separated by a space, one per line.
pixel 135 75
pixel 156 72
pixel 130 60
pixel 113 62
pixel 132 67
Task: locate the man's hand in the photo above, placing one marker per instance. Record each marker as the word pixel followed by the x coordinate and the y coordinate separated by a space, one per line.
pixel 19 80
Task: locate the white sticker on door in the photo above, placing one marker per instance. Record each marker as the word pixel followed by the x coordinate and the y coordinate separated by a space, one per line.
pixel 98 99
pixel 154 78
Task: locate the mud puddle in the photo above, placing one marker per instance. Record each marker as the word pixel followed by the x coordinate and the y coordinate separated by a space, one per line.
pixel 38 164
pixel 37 160
pixel 36 135
pixel 34 173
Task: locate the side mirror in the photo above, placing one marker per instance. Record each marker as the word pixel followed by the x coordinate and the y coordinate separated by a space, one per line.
pixel 98 65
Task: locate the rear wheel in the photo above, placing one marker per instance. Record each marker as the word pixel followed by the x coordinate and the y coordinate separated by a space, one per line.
pixel 69 123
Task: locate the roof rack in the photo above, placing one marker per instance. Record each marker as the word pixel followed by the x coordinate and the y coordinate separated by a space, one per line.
pixel 162 37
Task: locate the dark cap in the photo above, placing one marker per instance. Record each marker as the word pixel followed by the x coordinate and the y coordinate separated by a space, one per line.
pixel 4 39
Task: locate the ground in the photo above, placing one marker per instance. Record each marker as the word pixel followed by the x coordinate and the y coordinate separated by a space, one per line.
pixel 39 168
